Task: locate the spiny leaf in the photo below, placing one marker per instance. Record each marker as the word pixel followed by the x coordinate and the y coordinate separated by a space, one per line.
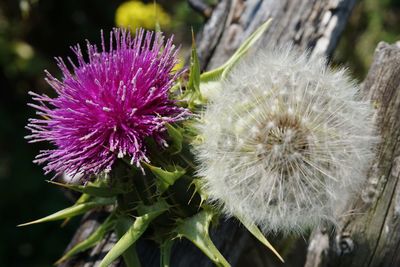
pixel 165 178
pixel 130 256
pixel 161 204
pixel 198 189
pixel 255 231
pixel 90 241
pixel 195 229
pixel 177 138
pixel 93 189
pixel 73 210
pixel 193 87
pixel 133 233
pixel 165 253
pixel 194 76
pixel 222 71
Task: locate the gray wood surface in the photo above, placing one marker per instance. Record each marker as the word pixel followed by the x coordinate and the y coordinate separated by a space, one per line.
pixel 309 24
pixel 371 236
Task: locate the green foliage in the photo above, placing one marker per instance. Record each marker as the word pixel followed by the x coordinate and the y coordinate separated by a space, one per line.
pixel 195 229
pixel 130 256
pixel 134 232
pixel 256 232
pixel 176 137
pixel 74 210
pixel 165 178
pixel 165 253
pixel 97 189
pixel 222 71
pixel 371 22
pixel 192 94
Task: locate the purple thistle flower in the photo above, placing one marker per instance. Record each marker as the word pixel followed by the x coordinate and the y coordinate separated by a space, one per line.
pixel 107 105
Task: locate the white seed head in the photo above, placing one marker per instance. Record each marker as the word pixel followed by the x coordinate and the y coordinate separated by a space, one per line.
pixel 287 141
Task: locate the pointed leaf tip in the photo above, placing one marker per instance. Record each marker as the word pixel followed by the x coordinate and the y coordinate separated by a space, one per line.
pixel 255 231
pixel 193 87
pixel 195 229
pixel 222 71
pixel 193 39
pixel 72 211
pixel 133 233
pixel 165 178
pixel 176 137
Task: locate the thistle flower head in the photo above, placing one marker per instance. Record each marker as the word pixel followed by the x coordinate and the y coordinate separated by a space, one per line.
pixel 107 104
pixel 285 141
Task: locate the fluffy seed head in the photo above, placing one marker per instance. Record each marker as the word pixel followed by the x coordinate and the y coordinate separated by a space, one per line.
pixel 107 104
pixel 286 141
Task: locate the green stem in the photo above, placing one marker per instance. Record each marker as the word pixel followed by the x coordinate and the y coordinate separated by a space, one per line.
pixel 130 256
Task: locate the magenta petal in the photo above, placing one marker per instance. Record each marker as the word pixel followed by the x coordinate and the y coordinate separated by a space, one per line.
pixel 108 104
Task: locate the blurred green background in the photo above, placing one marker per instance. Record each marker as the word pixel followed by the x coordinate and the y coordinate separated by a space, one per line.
pixel 32 32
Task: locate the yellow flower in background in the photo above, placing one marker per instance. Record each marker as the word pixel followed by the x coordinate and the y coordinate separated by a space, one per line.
pixel 135 14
